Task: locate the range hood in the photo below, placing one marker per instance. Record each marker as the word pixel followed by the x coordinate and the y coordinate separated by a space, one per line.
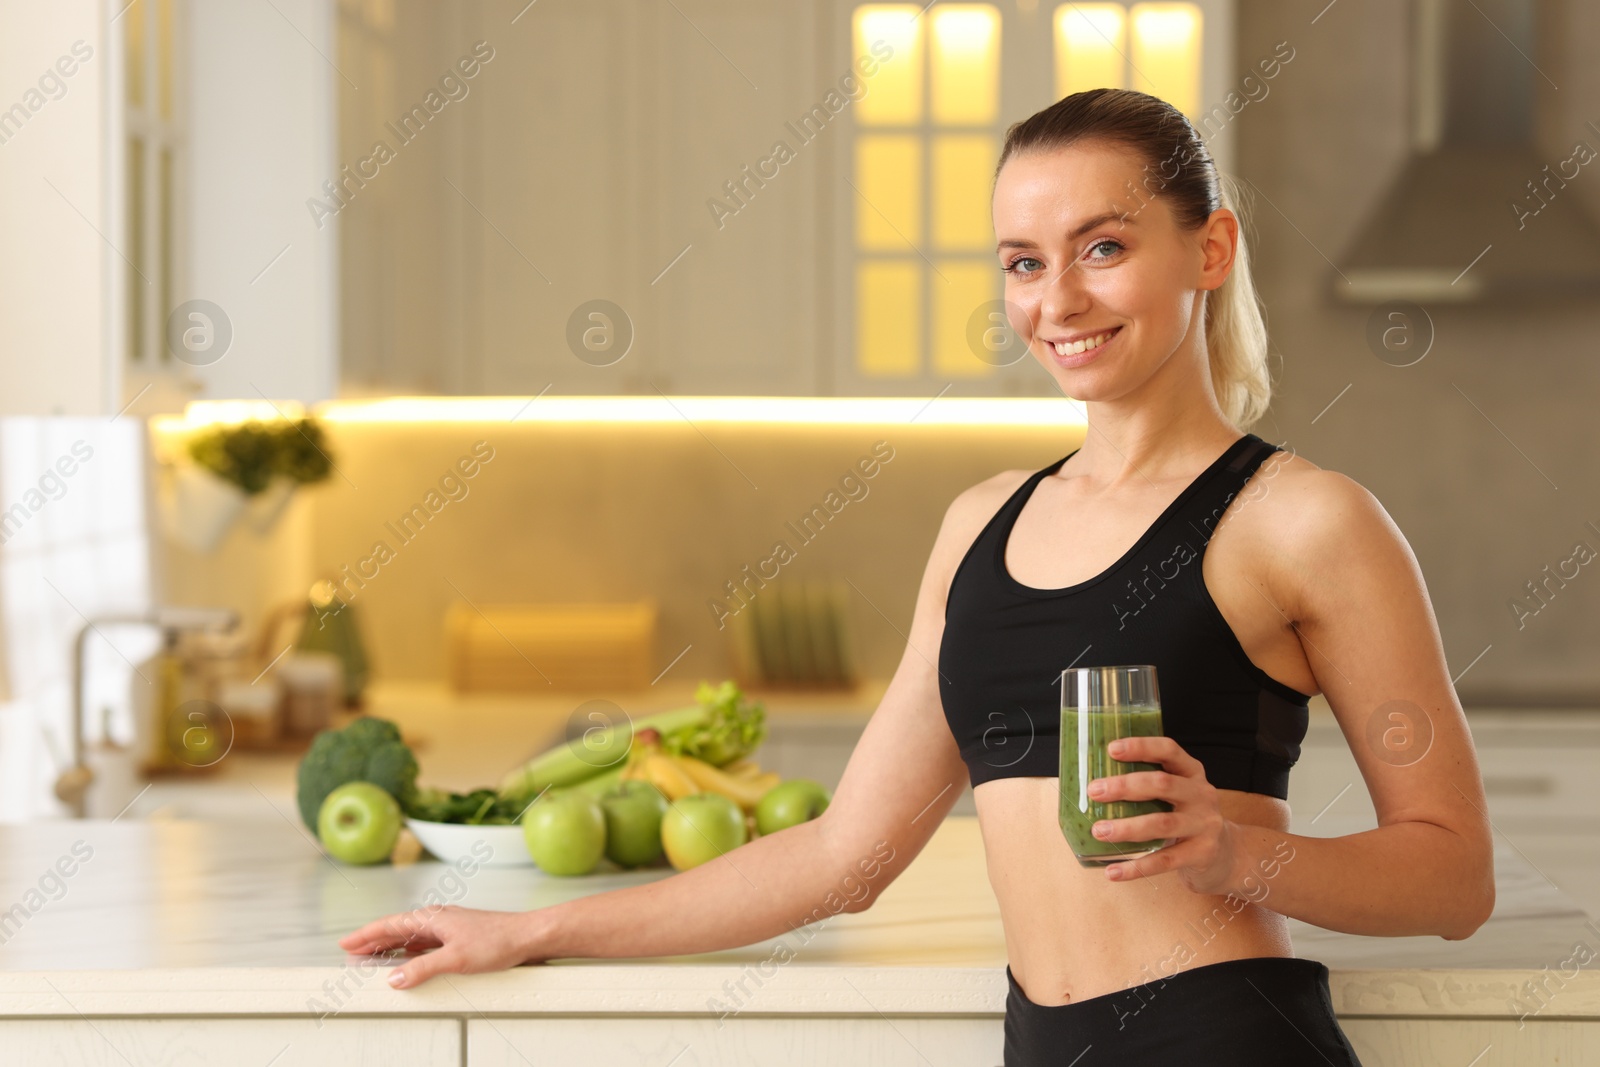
pixel 1478 214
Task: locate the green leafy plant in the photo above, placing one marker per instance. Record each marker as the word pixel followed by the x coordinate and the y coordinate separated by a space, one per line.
pixel 251 453
pixel 303 451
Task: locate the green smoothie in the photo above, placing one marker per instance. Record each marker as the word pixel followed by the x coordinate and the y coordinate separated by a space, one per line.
pixel 1084 736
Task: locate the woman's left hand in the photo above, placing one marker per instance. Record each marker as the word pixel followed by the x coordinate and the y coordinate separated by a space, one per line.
pixel 1205 850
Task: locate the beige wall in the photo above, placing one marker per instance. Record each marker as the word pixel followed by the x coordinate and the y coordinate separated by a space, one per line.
pixel 600 513
pixel 566 512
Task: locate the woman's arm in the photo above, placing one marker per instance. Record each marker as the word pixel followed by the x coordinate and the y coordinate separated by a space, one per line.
pixel 902 779
pixel 1346 583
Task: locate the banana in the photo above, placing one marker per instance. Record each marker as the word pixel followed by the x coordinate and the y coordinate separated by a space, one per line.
pixel 742 768
pixel 746 792
pixel 668 775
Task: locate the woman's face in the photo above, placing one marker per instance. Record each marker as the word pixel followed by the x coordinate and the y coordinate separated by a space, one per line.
pixel 1101 284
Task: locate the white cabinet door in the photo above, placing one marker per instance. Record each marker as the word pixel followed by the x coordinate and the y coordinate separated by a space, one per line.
pixel 874 1041
pixel 1483 1042
pixel 580 168
pixel 56 213
pixel 737 195
pixel 386 1042
pixel 553 162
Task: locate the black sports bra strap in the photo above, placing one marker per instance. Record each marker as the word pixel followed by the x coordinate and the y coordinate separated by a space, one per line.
pixel 1205 508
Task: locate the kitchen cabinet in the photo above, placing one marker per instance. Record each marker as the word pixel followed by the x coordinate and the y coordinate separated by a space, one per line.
pixel 735 1042
pixel 57 299
pixel 578 168
pixel 115 228
pixel 629 153
pixel 304 1042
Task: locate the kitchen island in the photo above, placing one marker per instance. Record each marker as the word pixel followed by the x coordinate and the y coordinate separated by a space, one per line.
pixel 177 941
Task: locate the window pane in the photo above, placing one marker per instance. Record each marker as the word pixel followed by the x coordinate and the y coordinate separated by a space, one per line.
pixel 889 177
pixel 133 29
pixel 894 92
pixel 1166 53
pixel 135 248
pixel 164 55
pixel 963 166
pixel 965 286
pixel 1091 41
pixel 164 303
pixel 966 64
pixel 888 317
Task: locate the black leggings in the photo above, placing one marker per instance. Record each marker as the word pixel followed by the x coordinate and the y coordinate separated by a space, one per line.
pixel 1262 1011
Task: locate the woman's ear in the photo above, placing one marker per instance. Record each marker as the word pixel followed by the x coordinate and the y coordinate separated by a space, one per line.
pixel 1219 244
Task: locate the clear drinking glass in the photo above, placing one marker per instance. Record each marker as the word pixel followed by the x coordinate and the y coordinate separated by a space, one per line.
pixel 1099 705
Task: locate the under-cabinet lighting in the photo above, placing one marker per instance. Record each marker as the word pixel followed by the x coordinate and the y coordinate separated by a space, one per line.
pixel 945 411
pixel 794 410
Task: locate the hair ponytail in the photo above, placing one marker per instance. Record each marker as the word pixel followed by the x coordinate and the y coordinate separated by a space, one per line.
pixel 1236 332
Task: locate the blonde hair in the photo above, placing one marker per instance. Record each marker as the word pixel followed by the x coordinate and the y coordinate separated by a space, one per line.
pixel 1236 331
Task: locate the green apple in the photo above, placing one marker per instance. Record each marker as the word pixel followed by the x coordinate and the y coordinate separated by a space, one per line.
pixel 790 803
pixel 701 827
pixel 565 831
pixel 359 823
pixel 633 810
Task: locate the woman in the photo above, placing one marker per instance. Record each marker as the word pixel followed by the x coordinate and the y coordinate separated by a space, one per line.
pixel 1251 578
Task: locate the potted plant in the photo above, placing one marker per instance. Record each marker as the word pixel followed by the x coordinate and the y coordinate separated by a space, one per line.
pixel 249 468
pixel 300 457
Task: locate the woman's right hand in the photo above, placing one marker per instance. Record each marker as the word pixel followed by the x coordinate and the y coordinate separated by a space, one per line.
pixel 461 940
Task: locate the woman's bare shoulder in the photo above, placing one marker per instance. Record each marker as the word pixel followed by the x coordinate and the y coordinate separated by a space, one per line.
pixel 971 511
pixel 977 504
pixel 1311 527
pixel 1298 498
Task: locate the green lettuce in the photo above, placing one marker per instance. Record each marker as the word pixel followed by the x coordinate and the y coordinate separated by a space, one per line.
pixel 732 728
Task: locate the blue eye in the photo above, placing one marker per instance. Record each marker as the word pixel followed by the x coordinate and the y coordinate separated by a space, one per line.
pixel 1102 243
pixel 1014 266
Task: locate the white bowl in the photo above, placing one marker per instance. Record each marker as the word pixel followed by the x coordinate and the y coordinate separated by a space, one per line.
pixel 490 846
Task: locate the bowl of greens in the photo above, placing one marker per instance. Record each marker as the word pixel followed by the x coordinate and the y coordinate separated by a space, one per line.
pixel 480 826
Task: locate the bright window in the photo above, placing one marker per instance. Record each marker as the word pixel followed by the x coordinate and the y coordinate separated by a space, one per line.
pixel 1151 47
pixel 925 151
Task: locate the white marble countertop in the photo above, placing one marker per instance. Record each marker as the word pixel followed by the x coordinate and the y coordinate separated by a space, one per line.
pixel 204 918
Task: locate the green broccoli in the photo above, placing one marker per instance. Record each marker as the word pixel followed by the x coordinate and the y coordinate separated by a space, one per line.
pixel 368 750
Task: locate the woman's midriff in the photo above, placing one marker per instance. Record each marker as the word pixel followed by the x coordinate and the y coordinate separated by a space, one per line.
pixel 1071 934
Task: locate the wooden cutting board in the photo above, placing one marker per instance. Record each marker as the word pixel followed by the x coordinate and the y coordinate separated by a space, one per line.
pixel 517 647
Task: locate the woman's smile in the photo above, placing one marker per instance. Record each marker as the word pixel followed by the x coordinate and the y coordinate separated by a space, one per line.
pixel 1084 350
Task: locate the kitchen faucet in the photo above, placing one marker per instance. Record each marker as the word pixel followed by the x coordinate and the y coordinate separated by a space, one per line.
pixel 72 784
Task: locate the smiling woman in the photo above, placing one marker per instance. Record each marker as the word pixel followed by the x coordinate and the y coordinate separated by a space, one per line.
pixel 1126 276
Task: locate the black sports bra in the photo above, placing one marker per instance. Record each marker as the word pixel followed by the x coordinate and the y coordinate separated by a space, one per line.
pixel 1005 645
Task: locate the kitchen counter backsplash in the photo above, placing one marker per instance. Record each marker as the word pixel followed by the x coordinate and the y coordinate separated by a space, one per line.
pixel 699 518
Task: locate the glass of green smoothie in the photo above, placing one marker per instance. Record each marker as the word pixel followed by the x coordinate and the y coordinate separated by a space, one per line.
pixel 1099 705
